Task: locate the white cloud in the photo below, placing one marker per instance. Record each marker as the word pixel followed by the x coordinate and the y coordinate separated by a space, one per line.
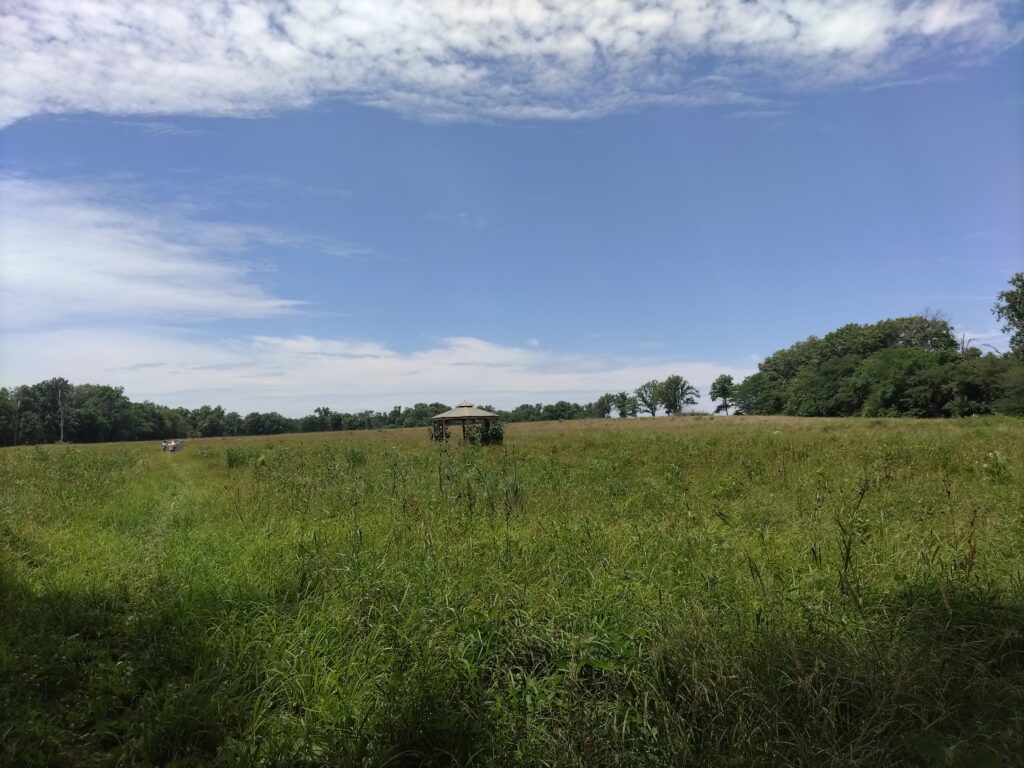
pixel 447 59
pixel 97 286
pixel 294 375
pixel 74 251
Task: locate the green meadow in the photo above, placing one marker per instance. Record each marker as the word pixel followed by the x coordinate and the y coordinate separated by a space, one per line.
pixel 660 592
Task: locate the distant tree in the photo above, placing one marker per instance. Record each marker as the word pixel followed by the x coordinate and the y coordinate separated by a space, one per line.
pixel 930 330
pixel 6 416
pixel 722 389
pixel 252 423
pixel 62 391
pixel 527 412
pixel 51 402
pixel 976 383
pixel 208 421
pixel 394 418
pixel 602 407
pixel 675 393
pixel 904 382
pixel 1010 309
pixel 626 404
pixel 18 396
pixel 563 410
pixel 818 376
pixel 103 414
pixel 648 396
pixel 274 423
pixel 324 418
pixel 31 430
pixel 421 413
pixel 232 423
pixel 1010 399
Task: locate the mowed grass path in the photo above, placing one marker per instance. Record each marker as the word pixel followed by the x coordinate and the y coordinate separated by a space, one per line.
pixel 678 591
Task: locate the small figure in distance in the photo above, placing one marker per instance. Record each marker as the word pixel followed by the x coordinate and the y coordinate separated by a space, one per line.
pixel 163 446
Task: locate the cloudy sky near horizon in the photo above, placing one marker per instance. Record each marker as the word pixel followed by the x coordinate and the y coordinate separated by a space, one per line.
pixel 280 205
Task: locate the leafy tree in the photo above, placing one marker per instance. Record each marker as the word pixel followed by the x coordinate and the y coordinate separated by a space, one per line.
pixel 1010 309
pixel 49 400
pixel 904 382
pixel 929 330
pixel 527 412
pixel 760 393
pixel 252 423
pixel 675 393
pixel 102 414
pixel 232 423
pixel 60 390
pixel 420 414
pixel 1010 398
pixel 722 389
pixel 322 419
pixel 626 404
pixel 6 416
pixel 563 410
pixel 823 388
pixel 816 377
pixel 18 399
pixel 648 395
pixel 208 421
pixel 30 429
pixel 602 407
pixel 976 383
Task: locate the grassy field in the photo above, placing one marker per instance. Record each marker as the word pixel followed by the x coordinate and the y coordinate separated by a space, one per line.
pixel 689 591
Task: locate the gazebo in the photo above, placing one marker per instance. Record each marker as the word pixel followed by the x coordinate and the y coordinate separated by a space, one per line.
pixel 479 427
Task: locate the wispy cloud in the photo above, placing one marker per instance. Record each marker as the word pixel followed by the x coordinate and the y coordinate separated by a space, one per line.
pixel 470 59
pixel 70 251
pixel 295 374
pixel 159 128
pixel 108 246
pixel 909 82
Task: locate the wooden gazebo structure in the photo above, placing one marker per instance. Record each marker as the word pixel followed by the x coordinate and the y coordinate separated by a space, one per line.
pixel 479 427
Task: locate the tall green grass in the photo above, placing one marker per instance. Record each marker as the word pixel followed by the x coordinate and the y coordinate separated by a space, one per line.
pixel 669 592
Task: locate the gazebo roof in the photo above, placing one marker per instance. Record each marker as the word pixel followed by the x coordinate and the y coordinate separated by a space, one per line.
pixel 464 410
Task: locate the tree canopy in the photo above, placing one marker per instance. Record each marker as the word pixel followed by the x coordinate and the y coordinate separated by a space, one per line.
pixel 907 366
pixel 1009 308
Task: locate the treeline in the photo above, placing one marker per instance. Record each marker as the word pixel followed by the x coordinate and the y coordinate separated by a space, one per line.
pixel 903 367
pixel 911 366
pixel 908 366
pixel 56 410
pixel 672 396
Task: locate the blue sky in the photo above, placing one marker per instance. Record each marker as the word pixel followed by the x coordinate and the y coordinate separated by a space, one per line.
pixel 285 206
